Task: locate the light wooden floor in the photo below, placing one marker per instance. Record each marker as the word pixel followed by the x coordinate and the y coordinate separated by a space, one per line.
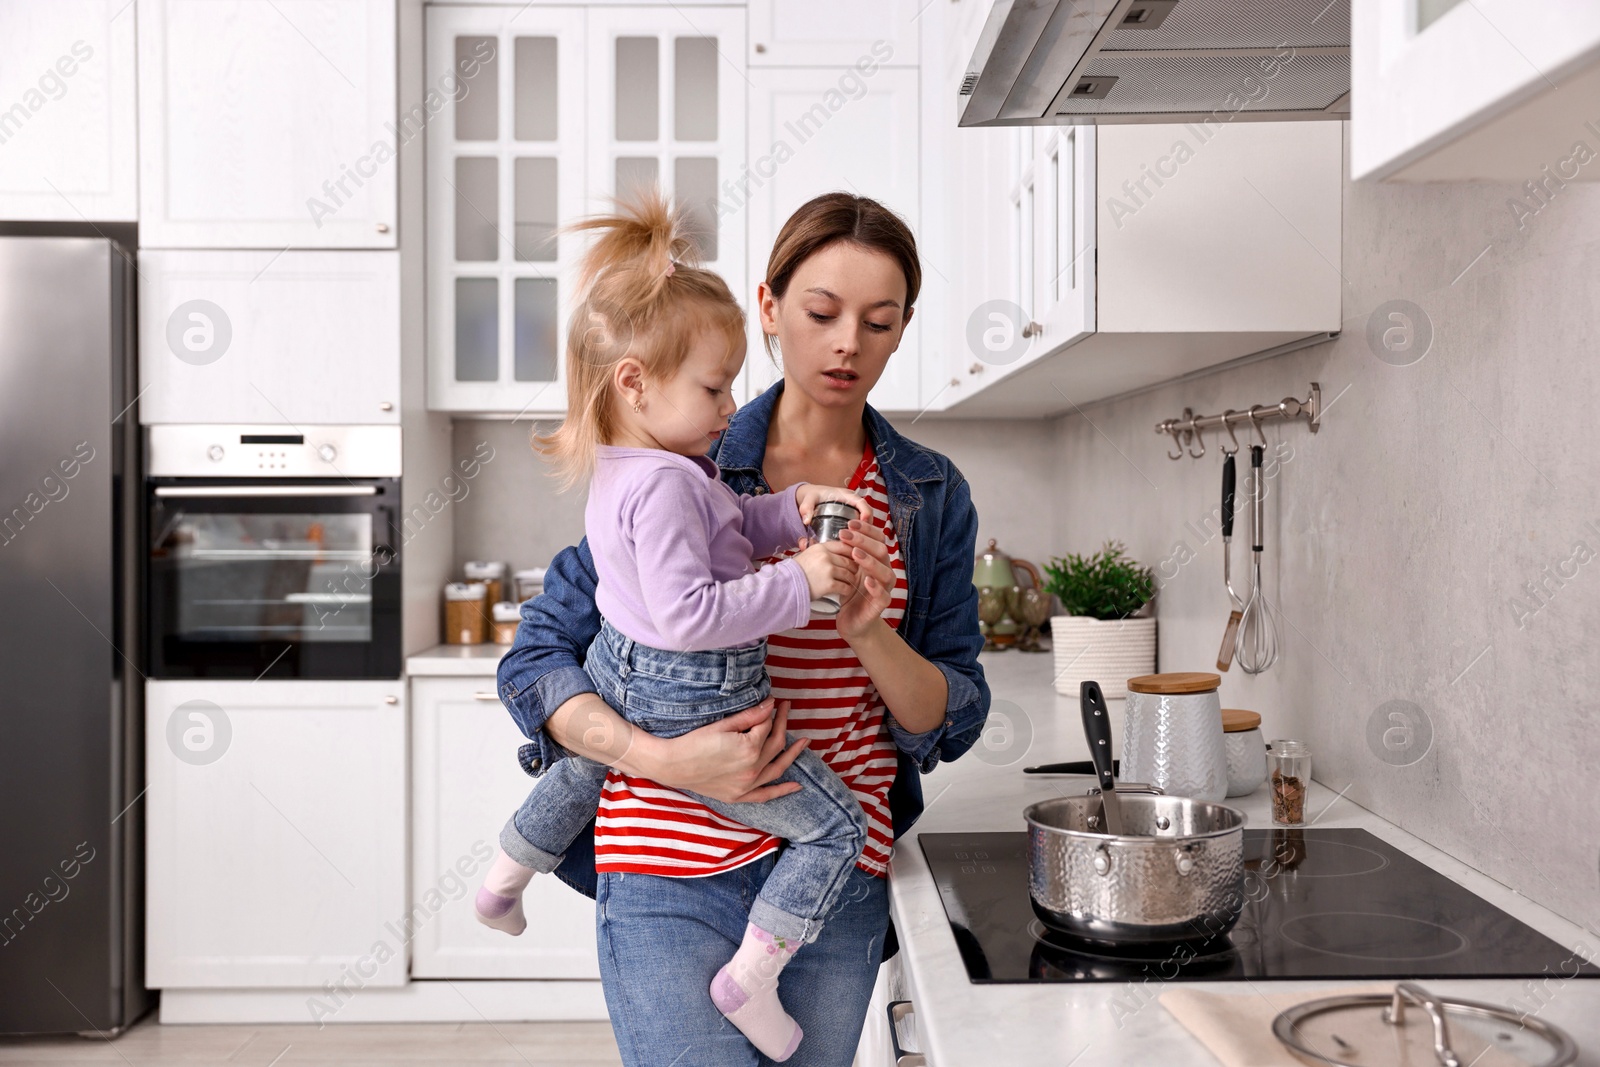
pixel 149 1044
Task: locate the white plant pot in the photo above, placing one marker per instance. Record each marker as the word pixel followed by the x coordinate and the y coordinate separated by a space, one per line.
pixel 1108 651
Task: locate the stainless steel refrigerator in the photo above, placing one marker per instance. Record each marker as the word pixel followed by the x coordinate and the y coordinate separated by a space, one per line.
pixel 71 769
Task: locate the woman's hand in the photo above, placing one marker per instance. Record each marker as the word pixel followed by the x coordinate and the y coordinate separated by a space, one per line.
pixel 862 609
pixel 735 760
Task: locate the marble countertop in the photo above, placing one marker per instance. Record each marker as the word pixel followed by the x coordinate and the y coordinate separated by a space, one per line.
pixel 457 660
pixel 1087 1024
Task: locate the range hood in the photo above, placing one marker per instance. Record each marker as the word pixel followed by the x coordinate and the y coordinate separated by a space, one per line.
pixel 1088 62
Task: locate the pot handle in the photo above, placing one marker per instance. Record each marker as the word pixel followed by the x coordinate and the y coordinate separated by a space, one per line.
pixel 1097 730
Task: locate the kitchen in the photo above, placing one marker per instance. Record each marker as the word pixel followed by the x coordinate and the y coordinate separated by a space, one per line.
pixel 351 198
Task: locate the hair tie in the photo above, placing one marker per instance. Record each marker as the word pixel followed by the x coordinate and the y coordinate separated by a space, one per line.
pixel 672 265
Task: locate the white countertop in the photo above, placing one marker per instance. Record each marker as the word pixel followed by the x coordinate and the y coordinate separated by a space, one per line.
pixel 1093 1023
pixel 457 660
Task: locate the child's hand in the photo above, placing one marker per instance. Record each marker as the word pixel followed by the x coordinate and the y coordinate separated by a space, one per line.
pixel 810 494
pixel 828 568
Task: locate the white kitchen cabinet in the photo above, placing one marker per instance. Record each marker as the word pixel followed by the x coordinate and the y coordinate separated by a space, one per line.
pixel 505 168
pixel 666 104
pixel 269 337
pixel 1491 90
pixel 821 129
pixel 465 783
pixel 834 33
pixel 276 834
pixel 269 123
pixel 68 128
pixel 576 104
pixel 1198 246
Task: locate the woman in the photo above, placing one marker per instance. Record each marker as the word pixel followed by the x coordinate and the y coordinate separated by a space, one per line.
pixel 882 692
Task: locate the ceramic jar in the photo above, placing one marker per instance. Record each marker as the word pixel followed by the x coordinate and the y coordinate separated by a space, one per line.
pixel 1246 751
pixel 1172 735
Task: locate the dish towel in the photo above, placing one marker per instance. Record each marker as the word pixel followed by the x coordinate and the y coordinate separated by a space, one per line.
pixel 1237 1027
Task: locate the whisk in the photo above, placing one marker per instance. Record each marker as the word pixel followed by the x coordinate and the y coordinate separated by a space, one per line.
pixel 1256 646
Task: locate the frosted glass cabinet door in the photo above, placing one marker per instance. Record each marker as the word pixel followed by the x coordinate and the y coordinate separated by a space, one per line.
pixel 68 128
pixel 812 138
pixel 465 784
pixel 296 337
pixel 834 33
pixel 276 834
pixel 268 123
pixel 505 169
pixel 666 105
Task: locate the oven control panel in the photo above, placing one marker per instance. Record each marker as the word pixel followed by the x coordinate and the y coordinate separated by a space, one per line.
pixel 272 451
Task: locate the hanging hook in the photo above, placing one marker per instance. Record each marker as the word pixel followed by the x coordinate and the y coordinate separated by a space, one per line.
pixel 1176 440
pixel 1198 436
pixel 1257 425
pixel 1227 425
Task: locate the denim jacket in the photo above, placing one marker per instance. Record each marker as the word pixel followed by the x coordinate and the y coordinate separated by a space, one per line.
pixel 931 508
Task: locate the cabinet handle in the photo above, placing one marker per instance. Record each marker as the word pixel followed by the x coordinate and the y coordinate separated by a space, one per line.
pixel 486 696
pixel 1033 329
pixel 391 699
pixel 761 49
pixel 383 227
pixel 976 368
pixel 385 405
pixel 955 381
pixel 898 1010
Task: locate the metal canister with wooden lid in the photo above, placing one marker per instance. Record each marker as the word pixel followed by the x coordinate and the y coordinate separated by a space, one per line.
pixel 1246 751
pixel 1172 734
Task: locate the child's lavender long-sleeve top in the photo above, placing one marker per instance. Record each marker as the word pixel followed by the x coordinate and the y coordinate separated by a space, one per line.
pixel 673 545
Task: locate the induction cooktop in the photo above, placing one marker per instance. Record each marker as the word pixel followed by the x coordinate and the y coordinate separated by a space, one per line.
pixel 1330 903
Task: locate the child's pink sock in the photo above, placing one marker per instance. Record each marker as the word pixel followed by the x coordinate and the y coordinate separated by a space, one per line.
pixel 499 902
pixel 746 991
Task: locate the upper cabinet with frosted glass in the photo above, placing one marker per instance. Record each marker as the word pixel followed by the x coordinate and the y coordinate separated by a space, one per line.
pixel 570 106
pixel 268 124
pixel 1476 90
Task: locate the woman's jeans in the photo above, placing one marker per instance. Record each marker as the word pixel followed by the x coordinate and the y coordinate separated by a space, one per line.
pixel 662 940
pixel 671 693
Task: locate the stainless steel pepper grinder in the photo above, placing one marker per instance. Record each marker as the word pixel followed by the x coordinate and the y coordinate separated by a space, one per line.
pixel 830 519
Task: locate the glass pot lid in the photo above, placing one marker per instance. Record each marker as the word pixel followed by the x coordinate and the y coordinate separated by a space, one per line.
pixel 1412 1027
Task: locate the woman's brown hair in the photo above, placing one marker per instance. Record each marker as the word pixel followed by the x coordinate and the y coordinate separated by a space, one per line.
pixel 834 217
pixel 640 294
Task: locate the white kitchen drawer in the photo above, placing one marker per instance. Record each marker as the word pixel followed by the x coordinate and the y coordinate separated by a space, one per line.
pixel 269 337
pixel 465 784
pixel 276 834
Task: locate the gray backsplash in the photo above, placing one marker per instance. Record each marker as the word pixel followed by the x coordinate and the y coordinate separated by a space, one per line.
pixel 1399 540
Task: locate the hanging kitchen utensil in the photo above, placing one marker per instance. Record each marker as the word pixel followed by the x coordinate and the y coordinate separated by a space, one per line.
pixel 1097 729
pixel 1230 636
pixel 1374 1030
pixel 1257 646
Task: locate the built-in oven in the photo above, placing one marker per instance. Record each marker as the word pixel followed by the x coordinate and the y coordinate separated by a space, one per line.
pixel 273 552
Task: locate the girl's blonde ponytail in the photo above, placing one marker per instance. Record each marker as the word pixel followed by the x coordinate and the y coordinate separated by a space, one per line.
pixel 640 294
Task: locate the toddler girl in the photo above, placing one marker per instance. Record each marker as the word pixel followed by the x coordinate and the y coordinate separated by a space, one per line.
pixel 686 615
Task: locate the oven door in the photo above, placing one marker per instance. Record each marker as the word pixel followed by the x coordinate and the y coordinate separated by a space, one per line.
pixel 250 578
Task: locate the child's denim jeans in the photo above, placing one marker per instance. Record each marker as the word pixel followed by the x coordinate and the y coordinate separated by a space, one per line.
pixel 671 693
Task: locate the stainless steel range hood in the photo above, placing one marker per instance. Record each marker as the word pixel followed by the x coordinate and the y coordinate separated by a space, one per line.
pixel 1086 62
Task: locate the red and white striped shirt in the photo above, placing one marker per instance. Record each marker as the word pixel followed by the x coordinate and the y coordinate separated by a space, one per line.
pixel 642 827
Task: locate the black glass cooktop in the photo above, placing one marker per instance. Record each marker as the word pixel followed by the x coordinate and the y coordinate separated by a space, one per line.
pixel 1330 903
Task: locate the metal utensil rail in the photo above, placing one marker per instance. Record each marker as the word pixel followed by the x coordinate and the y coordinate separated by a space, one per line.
pixel 1189 428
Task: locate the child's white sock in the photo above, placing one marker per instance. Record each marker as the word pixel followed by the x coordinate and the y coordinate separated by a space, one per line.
pixel 499 902
pixel 746 991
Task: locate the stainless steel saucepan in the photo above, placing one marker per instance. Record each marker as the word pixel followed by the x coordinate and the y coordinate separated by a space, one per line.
pixel 1174 874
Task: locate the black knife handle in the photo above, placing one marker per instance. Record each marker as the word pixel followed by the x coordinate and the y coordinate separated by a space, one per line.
pixel 1097 729
pixel 1257 494
pixel 1228 477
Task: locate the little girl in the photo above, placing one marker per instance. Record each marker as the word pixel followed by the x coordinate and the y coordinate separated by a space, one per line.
pixel 686 616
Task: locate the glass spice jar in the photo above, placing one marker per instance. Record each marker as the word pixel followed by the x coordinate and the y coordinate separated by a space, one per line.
pixel 1289 770
pixel 506 615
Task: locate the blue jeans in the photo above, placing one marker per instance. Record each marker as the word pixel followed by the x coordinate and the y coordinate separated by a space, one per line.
pixel 662 940
pixel 671 693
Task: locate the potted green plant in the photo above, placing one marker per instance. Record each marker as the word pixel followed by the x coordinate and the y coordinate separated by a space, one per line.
pixel 1106 634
